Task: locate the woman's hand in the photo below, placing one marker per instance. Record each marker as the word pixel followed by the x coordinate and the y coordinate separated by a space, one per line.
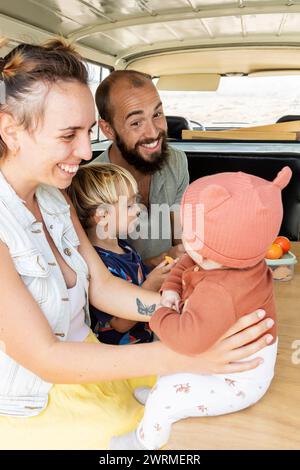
pixel 225 355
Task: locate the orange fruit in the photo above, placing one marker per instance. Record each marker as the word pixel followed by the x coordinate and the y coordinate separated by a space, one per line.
pixel 274 252
pixel 284 242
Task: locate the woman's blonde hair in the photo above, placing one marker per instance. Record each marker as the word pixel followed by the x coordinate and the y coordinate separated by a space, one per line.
pixel 27 73
pixel 98 183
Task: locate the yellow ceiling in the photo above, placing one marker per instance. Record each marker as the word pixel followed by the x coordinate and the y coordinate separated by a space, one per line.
pixel 207 36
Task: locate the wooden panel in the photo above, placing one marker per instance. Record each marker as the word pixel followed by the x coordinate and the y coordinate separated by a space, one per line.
pixel 290 126
pixel 239 134
pixel 274 422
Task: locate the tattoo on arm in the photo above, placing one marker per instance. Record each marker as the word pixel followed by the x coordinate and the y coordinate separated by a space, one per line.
pixel 144 309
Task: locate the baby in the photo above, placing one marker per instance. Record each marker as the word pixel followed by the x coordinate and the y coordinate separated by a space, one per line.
pixel 222 276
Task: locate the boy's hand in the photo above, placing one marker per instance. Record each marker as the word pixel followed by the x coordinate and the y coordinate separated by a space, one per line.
pixel 158 275
pixel 170 299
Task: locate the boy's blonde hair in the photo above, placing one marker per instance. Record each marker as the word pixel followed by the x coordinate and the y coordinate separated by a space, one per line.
pixel 98 183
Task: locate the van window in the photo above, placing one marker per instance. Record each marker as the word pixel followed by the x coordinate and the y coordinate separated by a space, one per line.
pixel 97 73
pixel 238 102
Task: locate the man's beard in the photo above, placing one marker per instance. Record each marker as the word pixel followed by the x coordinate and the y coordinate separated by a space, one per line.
pixel 134 158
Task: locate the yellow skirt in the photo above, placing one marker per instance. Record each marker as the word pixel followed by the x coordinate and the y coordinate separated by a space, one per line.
pixel 78 416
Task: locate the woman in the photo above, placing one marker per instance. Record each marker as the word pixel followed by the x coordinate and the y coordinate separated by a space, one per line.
pixel 49 270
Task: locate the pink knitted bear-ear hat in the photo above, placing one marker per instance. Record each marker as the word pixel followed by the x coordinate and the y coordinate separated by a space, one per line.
pixel 232 218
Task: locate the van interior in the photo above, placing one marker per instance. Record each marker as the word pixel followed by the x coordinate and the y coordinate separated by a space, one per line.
pixel 228 72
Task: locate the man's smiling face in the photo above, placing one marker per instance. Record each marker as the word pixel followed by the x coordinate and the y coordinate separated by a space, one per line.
pixel 139 125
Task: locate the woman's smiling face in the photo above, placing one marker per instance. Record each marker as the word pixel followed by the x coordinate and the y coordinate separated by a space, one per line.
pixel 52 152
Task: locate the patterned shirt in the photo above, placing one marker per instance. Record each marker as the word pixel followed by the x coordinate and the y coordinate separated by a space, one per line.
pixel 127 266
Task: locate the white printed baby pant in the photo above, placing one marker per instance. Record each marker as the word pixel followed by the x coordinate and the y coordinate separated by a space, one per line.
pixel 179 396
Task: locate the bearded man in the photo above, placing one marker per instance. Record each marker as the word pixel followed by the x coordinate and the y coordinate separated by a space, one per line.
pixel 132 117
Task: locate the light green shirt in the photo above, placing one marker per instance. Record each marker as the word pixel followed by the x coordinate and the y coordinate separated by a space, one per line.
pixel 167 187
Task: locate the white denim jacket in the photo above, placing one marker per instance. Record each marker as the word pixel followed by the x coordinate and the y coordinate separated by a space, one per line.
pixel 22 393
